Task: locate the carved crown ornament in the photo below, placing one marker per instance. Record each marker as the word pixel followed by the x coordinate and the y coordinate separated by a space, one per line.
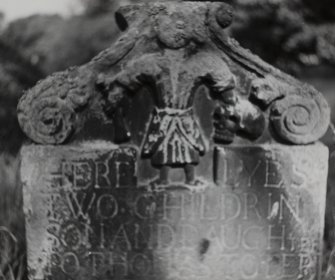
pixel 176 51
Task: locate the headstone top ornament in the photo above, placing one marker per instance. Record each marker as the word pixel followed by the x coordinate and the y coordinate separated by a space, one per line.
pixel 174 49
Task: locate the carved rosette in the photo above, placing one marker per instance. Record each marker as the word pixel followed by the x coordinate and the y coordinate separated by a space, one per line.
pixel 48 112
pixel 300 119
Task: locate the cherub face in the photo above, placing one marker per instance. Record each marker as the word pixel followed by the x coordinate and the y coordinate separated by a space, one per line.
pixel 176 28
pixel 176 24
pixel 173 31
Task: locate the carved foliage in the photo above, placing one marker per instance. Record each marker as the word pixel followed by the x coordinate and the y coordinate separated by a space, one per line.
pixel 51 112
pixel 47 113
pixel 298 114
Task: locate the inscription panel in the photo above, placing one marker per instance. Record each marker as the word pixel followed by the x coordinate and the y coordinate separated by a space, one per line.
pixel 89 216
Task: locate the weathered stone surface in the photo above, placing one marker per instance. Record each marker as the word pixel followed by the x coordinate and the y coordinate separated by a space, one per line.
pixel 172 49
pixel 171 202
pixel 91 213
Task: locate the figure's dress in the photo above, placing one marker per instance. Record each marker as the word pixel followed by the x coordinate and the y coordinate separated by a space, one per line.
pixel 174 137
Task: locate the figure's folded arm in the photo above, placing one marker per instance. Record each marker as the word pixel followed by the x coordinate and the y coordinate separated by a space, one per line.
pixel 220 80
pixel 134 74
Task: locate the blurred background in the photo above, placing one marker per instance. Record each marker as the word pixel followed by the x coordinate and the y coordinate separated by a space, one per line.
pixel 39 37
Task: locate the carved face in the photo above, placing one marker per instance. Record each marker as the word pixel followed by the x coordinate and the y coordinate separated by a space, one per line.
pixel 173 31
pixel 176 25
pixel 177 28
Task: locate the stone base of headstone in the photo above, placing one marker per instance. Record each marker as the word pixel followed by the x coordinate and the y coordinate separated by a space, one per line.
pixel 89 216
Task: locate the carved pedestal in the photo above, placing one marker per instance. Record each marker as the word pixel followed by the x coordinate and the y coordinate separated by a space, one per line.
pixel 260 216
pixel 205 179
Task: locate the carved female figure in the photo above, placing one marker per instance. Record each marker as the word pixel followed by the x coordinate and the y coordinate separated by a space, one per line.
pixel 174 138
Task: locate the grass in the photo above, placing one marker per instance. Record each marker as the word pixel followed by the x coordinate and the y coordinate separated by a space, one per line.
pixel 12 233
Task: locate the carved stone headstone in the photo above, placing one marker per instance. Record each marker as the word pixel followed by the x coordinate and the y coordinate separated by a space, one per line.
pixel 174 154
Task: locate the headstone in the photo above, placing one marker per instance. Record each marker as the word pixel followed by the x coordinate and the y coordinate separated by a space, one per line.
pixel 175 154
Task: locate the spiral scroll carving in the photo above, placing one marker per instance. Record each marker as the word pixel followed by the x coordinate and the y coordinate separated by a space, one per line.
pixel 192 35
pixel 48 112
pixel 300 119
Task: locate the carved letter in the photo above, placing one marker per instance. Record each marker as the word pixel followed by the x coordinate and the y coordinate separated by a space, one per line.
pixel 77 207
pixel 70 264
pixel 107 206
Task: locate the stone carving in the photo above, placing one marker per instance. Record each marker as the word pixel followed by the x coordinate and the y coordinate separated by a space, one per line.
pixel 172 49
pixel 175 89
pixel 49 112
pixel 295 118
pixel 299 114
pixel 174 137
pixel 88 218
